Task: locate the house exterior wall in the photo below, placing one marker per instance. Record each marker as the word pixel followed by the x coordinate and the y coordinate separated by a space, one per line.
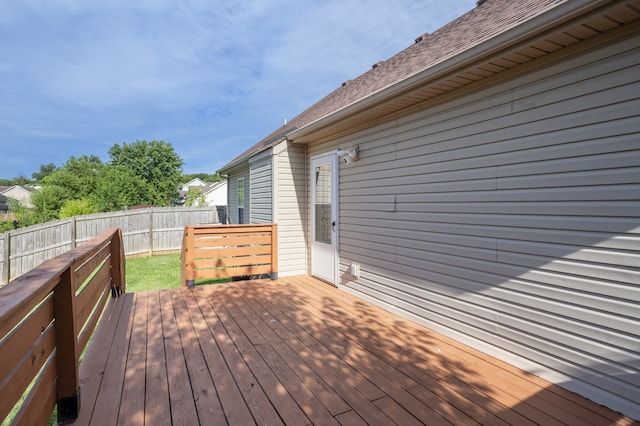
pixel 275 183
pixel 508 217
pixel 291 209
pixel 19 193
pixel 233 176
pixel 217 197
pixel 261 172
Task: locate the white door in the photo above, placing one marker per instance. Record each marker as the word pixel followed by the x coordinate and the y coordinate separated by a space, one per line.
pixel 324 217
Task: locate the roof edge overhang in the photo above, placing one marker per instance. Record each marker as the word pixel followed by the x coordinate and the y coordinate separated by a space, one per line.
pixel 535 26
pixel 254 156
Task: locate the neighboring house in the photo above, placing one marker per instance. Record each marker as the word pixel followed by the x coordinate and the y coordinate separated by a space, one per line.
pixel 215 193
pixel 496 194
pixel 4 204
pixel 18 192
pixel 192 183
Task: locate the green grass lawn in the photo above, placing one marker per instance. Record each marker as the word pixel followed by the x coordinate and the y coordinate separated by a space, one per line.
pixel 156 273
pixel 153 273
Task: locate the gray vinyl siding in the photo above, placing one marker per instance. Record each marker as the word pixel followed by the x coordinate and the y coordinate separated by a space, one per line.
pixel 261 172
pixel 290 184
pixel 232 199
pixel 509 218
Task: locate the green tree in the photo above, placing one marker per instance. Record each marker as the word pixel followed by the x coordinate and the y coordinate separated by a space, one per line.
pixel 78 176
pixel 118 188
pixel 48 201
pixel 20 217
pixel 21 180
pixel 195 197
pixel 156 163
pixel 202 176
pixel 45 170
pixel 6 225
pixel 77 207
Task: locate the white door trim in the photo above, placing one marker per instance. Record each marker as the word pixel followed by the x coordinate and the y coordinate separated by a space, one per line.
pixel 324 257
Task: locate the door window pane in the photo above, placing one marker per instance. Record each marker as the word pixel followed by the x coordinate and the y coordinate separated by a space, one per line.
pixel 241 200
pixel 323 204
pixel 241 192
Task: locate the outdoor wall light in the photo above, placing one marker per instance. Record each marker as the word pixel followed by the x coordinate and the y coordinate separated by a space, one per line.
pixel 349 155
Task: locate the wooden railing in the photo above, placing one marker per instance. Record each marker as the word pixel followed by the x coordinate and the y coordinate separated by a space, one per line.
pixel 46 319
pixel 220 251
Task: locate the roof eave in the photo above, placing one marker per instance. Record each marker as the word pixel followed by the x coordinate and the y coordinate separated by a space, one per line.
pixel 535 25
pixel 229 166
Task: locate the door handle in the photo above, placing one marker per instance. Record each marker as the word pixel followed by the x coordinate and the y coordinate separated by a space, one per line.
pixel 333 226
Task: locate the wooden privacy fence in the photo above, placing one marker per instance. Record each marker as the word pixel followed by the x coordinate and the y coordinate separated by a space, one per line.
pixel 46 319
pixel 148 231
pixel 221 251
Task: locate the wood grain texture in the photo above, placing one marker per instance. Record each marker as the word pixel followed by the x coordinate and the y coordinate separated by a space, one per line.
pixel 298 351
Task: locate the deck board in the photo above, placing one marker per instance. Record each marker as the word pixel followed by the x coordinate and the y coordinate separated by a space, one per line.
pixel 132 394
pixel 297 351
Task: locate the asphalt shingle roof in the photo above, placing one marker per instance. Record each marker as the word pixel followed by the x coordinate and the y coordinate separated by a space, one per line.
pixel 479 24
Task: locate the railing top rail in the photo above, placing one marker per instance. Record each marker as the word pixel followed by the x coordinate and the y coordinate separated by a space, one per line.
pixel 19 296
pixel 235 225
pixel 46 319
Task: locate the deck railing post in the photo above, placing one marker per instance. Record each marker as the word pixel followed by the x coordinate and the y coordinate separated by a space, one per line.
pixel 274 251
pixel 118 282
pixel 186 257
pixel 68 382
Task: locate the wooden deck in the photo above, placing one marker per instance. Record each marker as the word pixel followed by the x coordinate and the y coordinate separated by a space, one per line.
pixel 298 351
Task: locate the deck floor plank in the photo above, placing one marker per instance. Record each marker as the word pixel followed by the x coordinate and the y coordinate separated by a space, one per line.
pixel 389 380
pixel 352 386
pixel 234 407
pixel 257 401
pixel 273 387
pixel 298 351
pixel 133 389
pixel 512 392
pixel 336 329
pixel 263 320
pixel 207 402
pixel 306 342
pixel 266 342
pixel 95 368
pixel 107 404
pixel 157 405
pixel 183 409
pixel 368 328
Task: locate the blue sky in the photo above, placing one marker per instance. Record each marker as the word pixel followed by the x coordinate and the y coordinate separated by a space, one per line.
pixel 211 77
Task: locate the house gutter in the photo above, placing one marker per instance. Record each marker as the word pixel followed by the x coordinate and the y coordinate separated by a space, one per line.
pixel 227 167
pixel 535 26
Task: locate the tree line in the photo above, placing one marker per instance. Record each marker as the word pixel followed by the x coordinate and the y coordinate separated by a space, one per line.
pixel 137 174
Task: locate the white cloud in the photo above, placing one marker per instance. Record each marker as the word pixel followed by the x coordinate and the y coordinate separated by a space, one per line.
pixel 196 72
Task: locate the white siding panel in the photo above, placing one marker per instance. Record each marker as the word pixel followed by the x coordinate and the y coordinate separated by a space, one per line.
pixel 510 218
pixel 261 191
pixel 290 179
pixel 232 201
